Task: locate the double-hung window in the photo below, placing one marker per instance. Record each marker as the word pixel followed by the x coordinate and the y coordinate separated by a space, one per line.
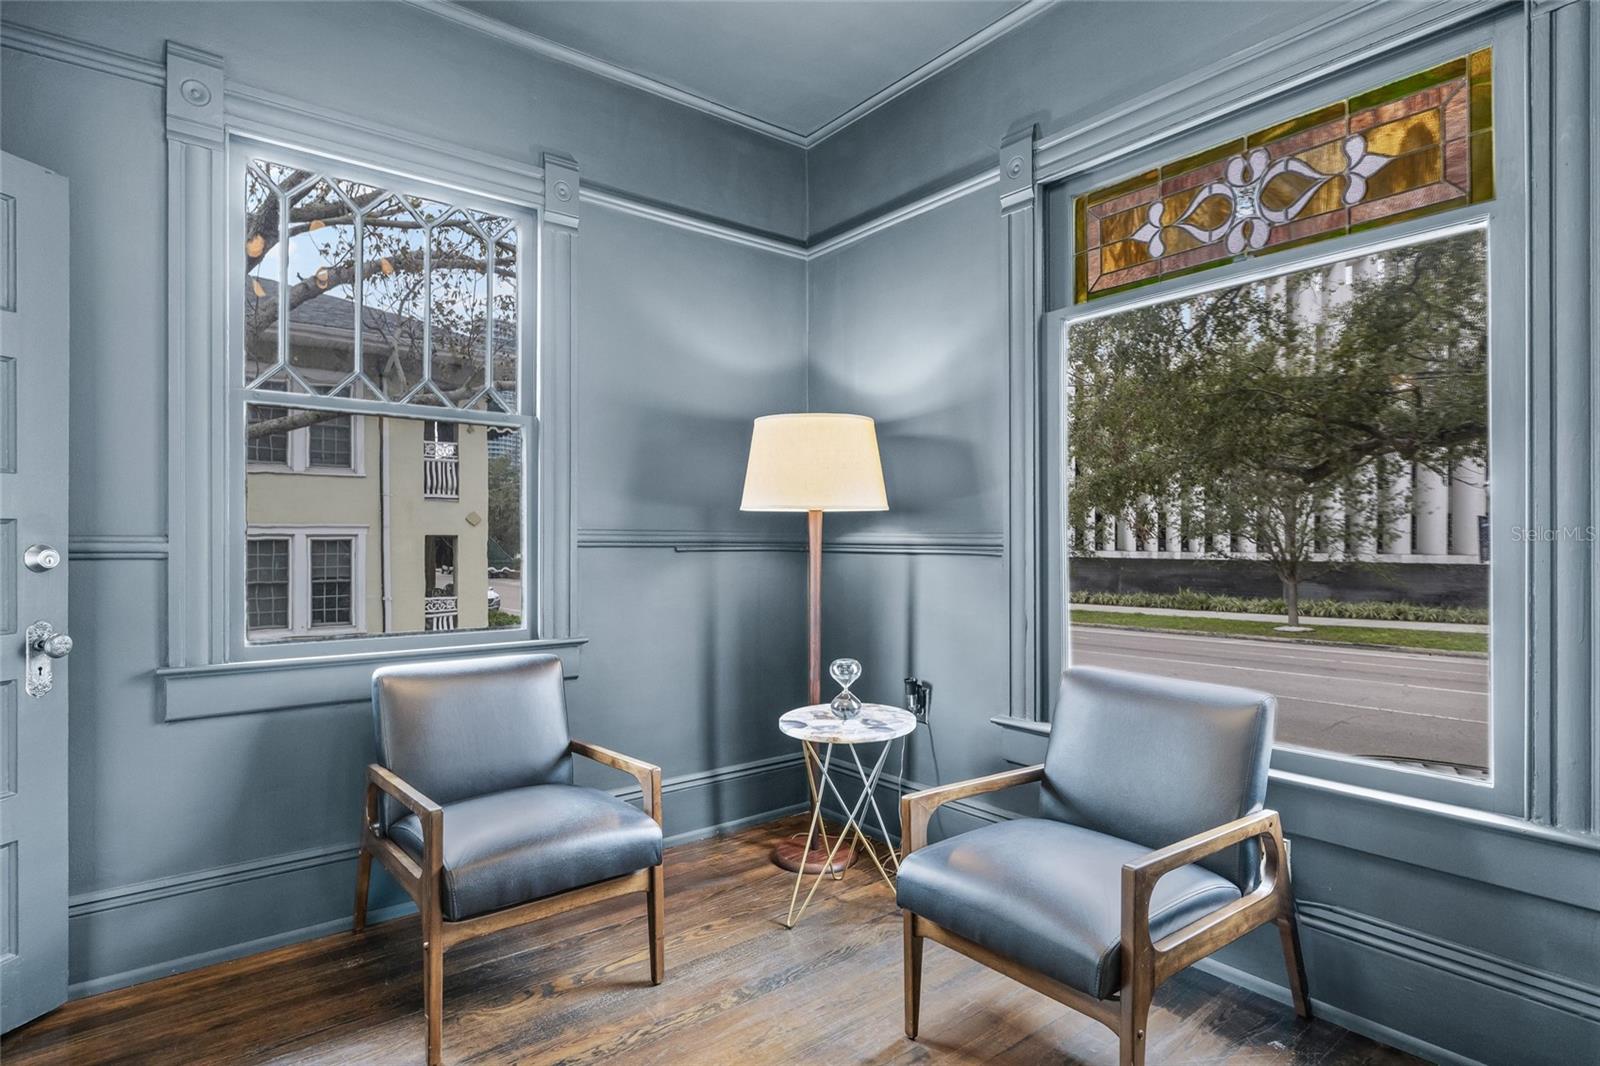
pixel 1285 428
pixel 380 333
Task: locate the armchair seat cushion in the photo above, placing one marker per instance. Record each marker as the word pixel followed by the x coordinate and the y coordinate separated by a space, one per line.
pixel 512 847
pixel 1048 895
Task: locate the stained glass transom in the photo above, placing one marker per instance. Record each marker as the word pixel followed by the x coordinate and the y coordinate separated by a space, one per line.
pixel 363 292
pixel 1421 144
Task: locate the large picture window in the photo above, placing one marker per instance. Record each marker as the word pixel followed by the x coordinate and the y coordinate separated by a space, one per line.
pixel 1284 484
pixel 380 339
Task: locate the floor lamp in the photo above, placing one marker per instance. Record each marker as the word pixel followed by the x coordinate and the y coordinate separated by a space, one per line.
pixel 813 463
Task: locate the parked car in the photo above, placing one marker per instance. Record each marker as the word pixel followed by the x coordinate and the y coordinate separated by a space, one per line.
pixel 494 599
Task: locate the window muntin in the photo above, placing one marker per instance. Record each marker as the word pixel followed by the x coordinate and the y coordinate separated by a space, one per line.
pixel 391 302
pixel 1329 424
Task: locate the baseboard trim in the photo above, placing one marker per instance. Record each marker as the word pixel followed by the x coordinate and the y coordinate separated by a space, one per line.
pixel 91 906
pixel 1507 976
pixel 1372 1030
pixel 156 971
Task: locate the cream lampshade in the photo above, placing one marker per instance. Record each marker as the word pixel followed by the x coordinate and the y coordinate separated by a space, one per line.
pixel 814 462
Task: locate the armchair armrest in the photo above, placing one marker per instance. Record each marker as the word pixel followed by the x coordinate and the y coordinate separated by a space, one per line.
pixel 1206 934
pixel 647 774
pixel 918 807
pixel 429 813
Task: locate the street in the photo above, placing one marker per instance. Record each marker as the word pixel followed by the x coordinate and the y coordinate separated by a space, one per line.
pixel 1356 701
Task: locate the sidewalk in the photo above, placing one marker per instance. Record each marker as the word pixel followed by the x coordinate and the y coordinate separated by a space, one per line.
pixel 1305 620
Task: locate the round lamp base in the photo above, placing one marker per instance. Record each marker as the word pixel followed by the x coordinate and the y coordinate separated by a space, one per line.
pixel 791 855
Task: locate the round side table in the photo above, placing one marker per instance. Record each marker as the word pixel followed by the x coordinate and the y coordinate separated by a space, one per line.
pixel 877 723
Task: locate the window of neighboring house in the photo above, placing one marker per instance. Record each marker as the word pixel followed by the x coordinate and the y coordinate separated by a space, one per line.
pixel 267 577
pixel 305 582
pixel 441 467
pixel 327 446
pixel 332 581
pixel 381 340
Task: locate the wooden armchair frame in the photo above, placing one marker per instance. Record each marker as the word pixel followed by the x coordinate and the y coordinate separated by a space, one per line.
pixel 1145 963
pixel 422 881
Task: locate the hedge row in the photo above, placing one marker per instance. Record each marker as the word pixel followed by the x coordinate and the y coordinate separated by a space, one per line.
pixel 1195 600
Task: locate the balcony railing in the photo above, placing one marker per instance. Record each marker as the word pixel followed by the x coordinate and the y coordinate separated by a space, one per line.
pixel 441 477
pixel 439 613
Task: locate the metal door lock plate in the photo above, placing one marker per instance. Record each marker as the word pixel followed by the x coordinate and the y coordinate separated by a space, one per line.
pixel 44 646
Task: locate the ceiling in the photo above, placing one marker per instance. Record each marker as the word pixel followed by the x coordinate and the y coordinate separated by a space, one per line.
pixel 794 69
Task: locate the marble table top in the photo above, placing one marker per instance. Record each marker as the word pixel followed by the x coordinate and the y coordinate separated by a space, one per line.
pixel 877 722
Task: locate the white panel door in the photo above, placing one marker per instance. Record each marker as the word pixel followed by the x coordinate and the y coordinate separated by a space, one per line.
pixel 33 591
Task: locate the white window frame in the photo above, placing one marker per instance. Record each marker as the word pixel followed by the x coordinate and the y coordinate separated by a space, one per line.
pixel 212 121
pixel 300 538
pixel 1503 219
pixel 244 644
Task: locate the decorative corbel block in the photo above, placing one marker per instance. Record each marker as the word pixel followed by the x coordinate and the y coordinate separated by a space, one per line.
pixel 560 190
pixel 1016 170
pixel 194 95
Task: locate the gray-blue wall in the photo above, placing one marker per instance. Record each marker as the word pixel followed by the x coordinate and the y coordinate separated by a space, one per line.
pixel 195 840
pixel 1462 937
pixel 1472 935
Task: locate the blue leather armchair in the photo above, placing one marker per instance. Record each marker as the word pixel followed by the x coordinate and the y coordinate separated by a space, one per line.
pixel 1152 849
pixel 472 809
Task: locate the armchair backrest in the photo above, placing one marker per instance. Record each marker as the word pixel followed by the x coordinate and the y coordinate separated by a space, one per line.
pixel 1154 760
pixel 460 728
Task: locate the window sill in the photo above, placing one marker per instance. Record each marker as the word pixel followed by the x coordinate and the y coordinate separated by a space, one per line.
pixel 222 689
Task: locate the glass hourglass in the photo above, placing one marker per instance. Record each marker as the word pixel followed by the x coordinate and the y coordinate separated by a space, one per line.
pixel 845 672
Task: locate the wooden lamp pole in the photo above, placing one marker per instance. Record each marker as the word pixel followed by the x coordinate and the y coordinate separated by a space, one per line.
pixel 792 854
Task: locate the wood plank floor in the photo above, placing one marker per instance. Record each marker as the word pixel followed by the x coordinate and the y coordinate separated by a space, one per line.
pixel 740 989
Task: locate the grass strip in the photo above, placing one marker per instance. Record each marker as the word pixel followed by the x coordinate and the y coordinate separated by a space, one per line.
pixel 1425 639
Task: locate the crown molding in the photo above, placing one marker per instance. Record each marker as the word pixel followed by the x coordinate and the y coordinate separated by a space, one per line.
pixel 49 45
pixel 452 11
pixel 572 57
pixel 1001 26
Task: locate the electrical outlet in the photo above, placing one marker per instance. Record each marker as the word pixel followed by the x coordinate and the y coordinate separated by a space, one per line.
pixel 919 694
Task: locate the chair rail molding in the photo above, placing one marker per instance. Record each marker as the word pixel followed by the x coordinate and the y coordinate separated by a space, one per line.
pixel 863 543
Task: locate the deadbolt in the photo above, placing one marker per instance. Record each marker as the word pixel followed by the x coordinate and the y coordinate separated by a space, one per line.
pixel 41 557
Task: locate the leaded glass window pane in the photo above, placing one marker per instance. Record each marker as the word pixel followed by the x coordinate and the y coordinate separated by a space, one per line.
pixel 320 298
pixel 267 583
pixel 1421 144
pixel 332 572
pixel 458 310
